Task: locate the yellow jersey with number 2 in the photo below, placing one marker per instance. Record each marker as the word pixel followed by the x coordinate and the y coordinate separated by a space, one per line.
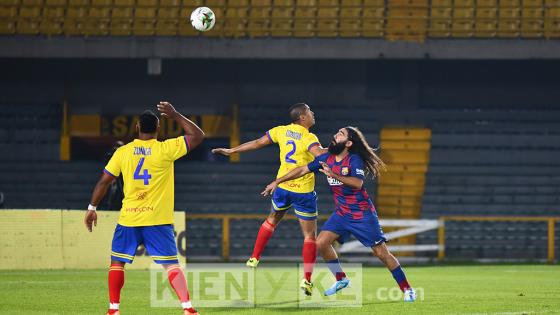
pixel 294 141
pixel 149 183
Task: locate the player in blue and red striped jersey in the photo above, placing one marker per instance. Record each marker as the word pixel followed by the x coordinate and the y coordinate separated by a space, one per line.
pixel 349 161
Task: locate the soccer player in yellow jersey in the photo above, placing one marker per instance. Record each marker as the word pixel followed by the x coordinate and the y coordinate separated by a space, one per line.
pixel 298 147
pixel 146 165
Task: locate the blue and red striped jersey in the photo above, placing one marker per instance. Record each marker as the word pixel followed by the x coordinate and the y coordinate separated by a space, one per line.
pixel 348 201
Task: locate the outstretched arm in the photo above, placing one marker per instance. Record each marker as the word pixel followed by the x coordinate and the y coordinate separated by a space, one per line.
pixel 317 150
pixel 98 193
pixel 194 134
pixel 247 146
pixel 293 174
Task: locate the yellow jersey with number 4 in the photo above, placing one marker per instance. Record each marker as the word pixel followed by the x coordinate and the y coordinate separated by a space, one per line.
pixel 149 183
pixel 294 141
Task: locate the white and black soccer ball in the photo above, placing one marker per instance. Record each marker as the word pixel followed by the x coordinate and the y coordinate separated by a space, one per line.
pixel 203 19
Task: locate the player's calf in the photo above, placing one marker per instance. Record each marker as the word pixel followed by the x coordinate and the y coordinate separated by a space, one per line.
pixel 179 284
pixel 265 232
pixel 391 262
pixel 116 282
pixel 309 254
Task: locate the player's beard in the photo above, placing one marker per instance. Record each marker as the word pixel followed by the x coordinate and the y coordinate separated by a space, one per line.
pixel 337 148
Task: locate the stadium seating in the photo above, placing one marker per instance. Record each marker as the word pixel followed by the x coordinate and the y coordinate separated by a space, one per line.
pixel 490 162
pixel 393 20
pixel 494 163
pixel 30 133
pixel 226 187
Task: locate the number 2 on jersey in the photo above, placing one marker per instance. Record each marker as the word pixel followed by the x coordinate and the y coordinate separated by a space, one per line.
pixel 146 176
pixel 289 154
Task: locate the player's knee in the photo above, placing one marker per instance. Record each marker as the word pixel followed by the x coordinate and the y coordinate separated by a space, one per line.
pixel 322 244
pixel 117 262
pixel 273 221
pixel 274 218
pixel 169 266
pixel 380 251
pixel 309 237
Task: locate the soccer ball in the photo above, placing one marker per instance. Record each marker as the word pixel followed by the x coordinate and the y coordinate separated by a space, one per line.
pixel 203 19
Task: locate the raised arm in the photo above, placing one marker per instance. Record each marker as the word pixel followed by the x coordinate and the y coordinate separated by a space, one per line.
pixel 98 193
pixel 293 174
pixel 194 134
pixel 247 146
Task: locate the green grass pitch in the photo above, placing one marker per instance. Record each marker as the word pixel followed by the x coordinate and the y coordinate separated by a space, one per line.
pixel 473 289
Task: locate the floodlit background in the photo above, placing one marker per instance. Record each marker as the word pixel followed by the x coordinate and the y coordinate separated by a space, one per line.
pixel 461 97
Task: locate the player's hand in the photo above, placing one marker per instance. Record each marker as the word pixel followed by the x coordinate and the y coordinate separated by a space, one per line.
pixel 326 169
pixel 166 109
pixel 269 189
pixel 222 151
pixel 90 220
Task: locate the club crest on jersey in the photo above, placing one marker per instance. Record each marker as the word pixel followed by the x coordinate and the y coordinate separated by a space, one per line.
pixel 344 171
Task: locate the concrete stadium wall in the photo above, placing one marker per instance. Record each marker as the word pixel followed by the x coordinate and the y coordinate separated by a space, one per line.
pixel 201 86
pixel 58 239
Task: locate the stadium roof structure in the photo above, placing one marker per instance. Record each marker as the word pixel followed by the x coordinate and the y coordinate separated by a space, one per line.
pixel 276 48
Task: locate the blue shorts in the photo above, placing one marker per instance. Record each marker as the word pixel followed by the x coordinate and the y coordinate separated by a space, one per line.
pixel 366 230
pixel 159 241
pixel 304 204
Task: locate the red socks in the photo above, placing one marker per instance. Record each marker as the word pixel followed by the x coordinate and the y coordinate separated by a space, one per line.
pixel 265 232
pixel 116 282
pixel 309 254
pixel 174 274
pixel 178 283
pixel 309 251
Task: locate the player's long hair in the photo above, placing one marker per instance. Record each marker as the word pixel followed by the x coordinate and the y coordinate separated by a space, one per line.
pixel 374 165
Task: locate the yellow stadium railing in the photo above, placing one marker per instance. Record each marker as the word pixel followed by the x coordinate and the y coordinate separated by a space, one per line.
pixel 551 221
pixel 226 219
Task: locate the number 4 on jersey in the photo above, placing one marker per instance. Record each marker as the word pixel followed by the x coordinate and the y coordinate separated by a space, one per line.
pixel 146 176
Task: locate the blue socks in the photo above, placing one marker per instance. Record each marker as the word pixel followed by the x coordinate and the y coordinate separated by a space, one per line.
pixel 400 277
pixel 336 269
